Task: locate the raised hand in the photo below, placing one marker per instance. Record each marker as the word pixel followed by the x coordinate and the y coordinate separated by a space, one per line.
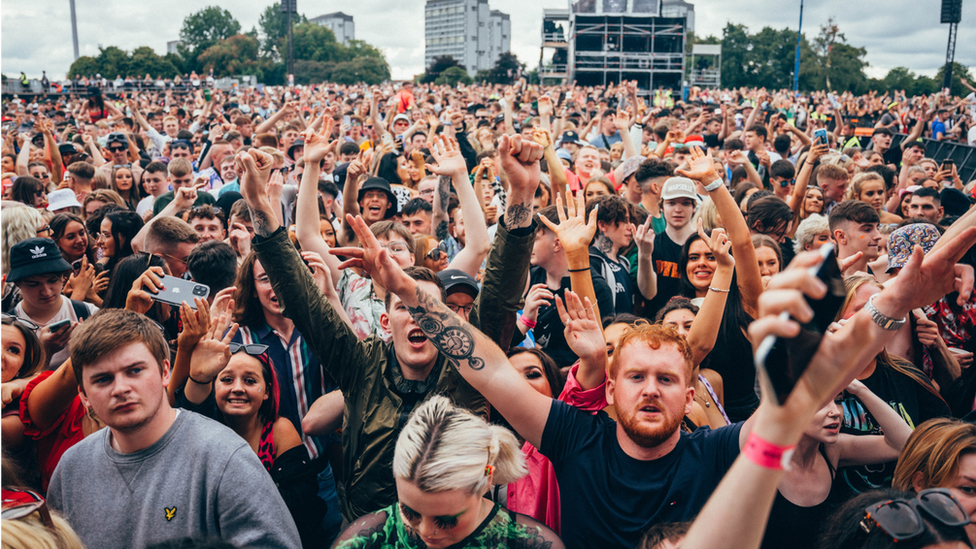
pixel 574 232
pixel 581 327
pixel 537 296
pixel 254 167
pixel 320 273
pixel 644 235
pixel 520 162
pixel 372 258
pixel 718 243
pixel 196 323
pixel 542 136
pixel 140 296
pixel 622 120
pixel 701 167
pixel 223 302
pixel 212 353
pixel 318 144
pixel 448 158
pixel 545 106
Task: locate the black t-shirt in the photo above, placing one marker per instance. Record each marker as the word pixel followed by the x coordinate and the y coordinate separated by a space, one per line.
pixel 549 328
pixel 609 499
pixel 892 156
pixel 711 140
pixel 665 258
pixel 913 402
pixel 617 273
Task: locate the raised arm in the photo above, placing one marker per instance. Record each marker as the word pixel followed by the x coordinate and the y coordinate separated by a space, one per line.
pixel 210 356
pixel 477 358
pixel 23 157
pixel 507 110
pixel 708 321
pixel 557 173
pixel 746 264
pixel 646 275
pixel 450 163
pixel 803 178
pixel 272 120
pixel 865 450
pixel 307 226
pixel 355 173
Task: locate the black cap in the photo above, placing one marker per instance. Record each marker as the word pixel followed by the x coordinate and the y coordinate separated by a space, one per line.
pixel 570 136
pixel 456 279
pixel 955 202
pixel 35 256
pixel 295 144
pixel 383 185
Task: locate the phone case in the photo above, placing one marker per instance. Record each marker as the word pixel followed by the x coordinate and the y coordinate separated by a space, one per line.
pixel 178 290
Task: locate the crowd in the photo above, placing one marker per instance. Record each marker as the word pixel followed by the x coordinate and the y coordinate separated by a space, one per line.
pixel 487 316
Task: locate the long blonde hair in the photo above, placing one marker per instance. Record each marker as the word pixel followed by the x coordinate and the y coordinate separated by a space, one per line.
pixel 444 447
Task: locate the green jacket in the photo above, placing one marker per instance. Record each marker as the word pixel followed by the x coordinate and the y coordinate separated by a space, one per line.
pixel 375 410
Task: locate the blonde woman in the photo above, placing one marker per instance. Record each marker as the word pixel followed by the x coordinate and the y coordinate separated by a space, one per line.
pixel 446 459
pixel 869 187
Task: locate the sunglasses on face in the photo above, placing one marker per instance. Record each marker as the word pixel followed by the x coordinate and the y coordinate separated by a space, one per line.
pixel 901 519
pixel 438 252
pixel 116 149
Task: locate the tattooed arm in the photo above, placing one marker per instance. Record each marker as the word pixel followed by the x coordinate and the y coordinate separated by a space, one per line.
pixel 255 169
pixel 477 358
pixel 520 163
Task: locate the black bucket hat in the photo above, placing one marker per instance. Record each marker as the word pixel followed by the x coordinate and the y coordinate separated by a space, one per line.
pixel 383 185
pixel 35 256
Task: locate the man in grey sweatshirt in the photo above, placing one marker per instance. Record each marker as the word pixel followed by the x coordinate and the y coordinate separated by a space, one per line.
pixel 156 473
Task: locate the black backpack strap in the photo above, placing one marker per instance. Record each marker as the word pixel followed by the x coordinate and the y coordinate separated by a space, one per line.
pixel 81 311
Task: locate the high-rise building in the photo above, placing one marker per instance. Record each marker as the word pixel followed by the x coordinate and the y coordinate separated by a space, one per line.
pixel 467 30
pixel 596 42
pixel 341 25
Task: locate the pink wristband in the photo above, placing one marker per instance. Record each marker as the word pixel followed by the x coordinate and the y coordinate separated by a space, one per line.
pixel 528 323
pixel 766 454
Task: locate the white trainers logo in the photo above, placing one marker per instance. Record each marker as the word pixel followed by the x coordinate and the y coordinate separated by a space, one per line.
pixel 38 252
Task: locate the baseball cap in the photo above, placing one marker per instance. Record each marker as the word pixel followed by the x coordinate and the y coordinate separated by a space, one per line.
pixel 35 256
pixel 679 187
pixel 903 241
pixel 901 194
pixel 564 154
pixel 570 136
pixel 630 166
pixel 62 198
pixel 456 279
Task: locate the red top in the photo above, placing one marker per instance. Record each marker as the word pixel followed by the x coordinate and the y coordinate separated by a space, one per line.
pixel 266 448
pixel 54 441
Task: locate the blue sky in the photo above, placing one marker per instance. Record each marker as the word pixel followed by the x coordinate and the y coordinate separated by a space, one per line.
pixel 36 35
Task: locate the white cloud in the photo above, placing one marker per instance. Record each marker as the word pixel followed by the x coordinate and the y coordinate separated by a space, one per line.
pixel 36 35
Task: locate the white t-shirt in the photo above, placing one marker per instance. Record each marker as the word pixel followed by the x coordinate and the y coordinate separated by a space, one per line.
pixel 67 312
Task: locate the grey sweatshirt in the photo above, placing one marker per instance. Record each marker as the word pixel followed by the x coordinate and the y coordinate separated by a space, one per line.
pixel 199 480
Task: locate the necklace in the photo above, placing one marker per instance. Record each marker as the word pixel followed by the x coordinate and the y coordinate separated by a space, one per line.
pixel 700 395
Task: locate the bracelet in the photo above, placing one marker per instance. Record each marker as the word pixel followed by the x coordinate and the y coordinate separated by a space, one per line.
pixel 528 323
pixel 579 270
pixel 766 454
pixel 714 289
pixel 886 322
pixel 714 185
pixel 199 382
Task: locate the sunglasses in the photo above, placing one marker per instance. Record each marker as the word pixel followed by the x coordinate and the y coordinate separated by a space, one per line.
pixel 23 503
pixel 900 518
pixel 116 149
pixel 440 250
pixel 10 319
pixel 253 349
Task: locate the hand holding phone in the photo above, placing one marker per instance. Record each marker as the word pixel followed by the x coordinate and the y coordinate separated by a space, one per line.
pixel 175 291
pixel 783 361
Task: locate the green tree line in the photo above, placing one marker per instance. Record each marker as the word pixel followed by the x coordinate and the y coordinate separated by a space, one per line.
pixel 211 39
pixel 766 59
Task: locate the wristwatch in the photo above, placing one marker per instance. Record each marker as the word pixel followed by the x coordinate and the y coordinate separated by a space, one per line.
pixel 886 322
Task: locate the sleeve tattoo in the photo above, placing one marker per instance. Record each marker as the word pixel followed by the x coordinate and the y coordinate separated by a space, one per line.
pixel 452 336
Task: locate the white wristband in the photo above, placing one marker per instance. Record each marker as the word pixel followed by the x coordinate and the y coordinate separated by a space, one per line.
pixel 714 185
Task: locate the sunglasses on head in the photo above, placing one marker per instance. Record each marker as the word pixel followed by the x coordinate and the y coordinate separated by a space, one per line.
pixel 23 503
pixel 10 319
pixel 901 519
pixel 253 349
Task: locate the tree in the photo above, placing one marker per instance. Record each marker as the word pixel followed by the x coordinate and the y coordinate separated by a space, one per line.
pixel 368 70
pixel 85 65
pixel 312 72
pixel 506 69
pixel 233 56
pixel 440 64
pixel 205 28
pixel 958 71
pixel 113 61
pixel 899 78
pixel 274 31
pixel 452 76
pixel 843 65
pixel 315 43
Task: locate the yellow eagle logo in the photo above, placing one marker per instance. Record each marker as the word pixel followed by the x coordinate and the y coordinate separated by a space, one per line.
pixel 170 513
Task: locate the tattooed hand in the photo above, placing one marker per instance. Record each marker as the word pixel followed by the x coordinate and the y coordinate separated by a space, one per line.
pixel 520 162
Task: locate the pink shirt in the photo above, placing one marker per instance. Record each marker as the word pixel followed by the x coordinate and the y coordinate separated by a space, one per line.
pixel 537 494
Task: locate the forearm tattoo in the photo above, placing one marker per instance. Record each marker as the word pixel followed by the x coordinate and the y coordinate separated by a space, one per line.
pixel 444 191
pixel 451 335
pixel 517 214
pixel 261 222
pixel 441 231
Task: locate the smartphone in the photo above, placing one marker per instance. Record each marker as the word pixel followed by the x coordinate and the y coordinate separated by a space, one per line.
pixel 386 139
pixel 346 120
pixel 58 325
pixel 820 136
pixel 947 165
pixel 783 361
pixel 178 290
